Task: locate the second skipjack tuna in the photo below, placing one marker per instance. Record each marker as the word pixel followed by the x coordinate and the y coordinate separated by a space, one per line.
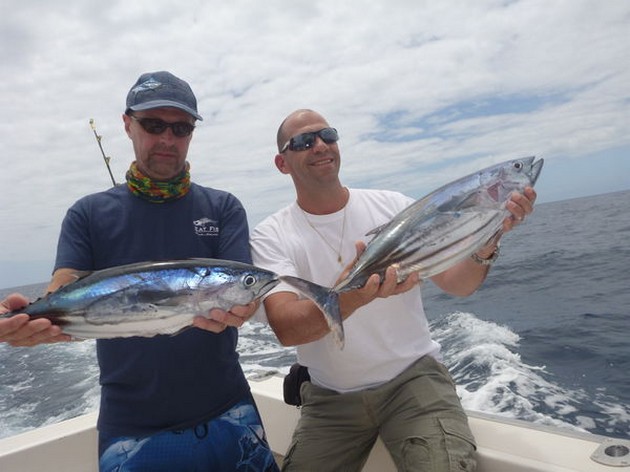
pixel 432 234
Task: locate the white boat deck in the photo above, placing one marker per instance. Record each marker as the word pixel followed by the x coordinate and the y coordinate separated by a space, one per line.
pixel 503 445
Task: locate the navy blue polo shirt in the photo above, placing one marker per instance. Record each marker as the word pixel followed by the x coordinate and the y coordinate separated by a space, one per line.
pixel 164 382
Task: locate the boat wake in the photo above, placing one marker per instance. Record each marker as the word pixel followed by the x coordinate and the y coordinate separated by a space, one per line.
pixel 492 378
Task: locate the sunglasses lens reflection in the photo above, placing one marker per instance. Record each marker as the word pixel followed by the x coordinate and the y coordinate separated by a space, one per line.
pixel 180 129
pixel 305 141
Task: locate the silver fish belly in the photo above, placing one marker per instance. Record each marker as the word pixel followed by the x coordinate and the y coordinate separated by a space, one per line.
pixel 432 234
pixel 147 299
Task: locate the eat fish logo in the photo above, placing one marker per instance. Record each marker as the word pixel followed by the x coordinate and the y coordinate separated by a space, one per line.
pixel 206 227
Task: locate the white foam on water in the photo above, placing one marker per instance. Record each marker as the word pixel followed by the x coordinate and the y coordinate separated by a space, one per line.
pixel 492 378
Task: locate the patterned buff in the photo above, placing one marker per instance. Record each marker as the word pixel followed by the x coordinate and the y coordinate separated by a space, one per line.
pixel 155 191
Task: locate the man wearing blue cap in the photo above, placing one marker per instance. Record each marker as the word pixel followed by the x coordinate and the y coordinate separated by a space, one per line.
pixel 168 403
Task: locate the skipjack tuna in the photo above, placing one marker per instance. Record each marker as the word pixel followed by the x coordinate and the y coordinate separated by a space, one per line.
pixel 432 234
pixel 149 298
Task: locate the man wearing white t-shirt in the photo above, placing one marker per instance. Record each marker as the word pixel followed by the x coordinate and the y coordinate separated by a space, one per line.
pixel 388 379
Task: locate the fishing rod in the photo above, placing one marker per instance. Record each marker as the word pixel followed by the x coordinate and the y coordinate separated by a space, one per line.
pixel 105 158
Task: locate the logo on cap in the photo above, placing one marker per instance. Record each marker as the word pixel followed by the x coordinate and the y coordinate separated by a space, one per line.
pixel 150 84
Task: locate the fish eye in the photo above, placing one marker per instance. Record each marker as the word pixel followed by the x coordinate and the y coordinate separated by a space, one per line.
pixel 249 280
pixel 518 165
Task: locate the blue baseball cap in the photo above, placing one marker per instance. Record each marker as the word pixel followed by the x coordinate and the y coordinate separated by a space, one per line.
pixel 161 89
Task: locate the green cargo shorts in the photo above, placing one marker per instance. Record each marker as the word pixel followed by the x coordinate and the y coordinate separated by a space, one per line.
pixel 418 416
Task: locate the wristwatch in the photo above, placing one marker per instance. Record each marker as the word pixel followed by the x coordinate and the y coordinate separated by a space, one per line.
pixel 490 260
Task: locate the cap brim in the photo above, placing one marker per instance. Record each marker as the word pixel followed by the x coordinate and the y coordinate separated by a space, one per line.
pixel 166 103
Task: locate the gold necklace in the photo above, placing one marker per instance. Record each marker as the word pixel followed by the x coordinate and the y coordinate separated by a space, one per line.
pixel 343 230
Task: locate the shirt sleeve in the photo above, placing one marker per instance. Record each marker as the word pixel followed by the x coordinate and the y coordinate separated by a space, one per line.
pixel 270 251
pixel 234 243
pixel 74 250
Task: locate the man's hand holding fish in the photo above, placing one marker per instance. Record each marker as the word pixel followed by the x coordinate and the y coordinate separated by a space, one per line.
pixel 218 319
pixel 519 205
pixel 374 287
pixel 20 330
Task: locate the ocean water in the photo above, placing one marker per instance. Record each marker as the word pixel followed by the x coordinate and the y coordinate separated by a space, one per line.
pixel 545 339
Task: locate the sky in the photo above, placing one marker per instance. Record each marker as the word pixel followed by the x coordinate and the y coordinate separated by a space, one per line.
pixel 422 92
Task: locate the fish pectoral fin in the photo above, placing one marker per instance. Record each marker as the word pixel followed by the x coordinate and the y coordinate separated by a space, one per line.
pixel 375 231
pixel 159 297
pixel 106 312
pixel 454 205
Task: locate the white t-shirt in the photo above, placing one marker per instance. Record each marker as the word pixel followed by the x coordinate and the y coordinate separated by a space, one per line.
pixel 382 338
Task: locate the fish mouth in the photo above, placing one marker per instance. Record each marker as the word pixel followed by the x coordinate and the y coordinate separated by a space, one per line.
pixel 536 167
pixel 532 169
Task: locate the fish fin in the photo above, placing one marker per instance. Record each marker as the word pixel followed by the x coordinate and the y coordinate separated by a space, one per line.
pixel 471 201
pixel 326 300
pixel 375 231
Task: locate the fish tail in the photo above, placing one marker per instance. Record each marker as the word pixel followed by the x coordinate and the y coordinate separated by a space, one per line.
pixel 327 300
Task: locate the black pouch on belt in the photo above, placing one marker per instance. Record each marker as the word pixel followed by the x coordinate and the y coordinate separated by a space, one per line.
pixel 292 383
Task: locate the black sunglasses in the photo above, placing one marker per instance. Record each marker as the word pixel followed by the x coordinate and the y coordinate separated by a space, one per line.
pixel 305 141
pixel 181 129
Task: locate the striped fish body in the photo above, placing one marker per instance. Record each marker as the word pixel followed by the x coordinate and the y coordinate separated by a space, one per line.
pixel 150 298
pixel 446 226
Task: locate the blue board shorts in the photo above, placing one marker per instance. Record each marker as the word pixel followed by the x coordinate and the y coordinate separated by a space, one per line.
pixel 234 441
